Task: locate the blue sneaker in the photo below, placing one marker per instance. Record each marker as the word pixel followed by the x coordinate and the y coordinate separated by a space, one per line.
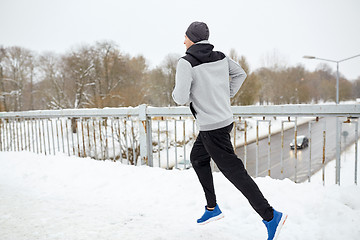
pixel 210 216
pixel 274 226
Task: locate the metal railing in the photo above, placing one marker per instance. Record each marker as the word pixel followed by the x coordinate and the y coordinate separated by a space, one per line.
pixel 162 137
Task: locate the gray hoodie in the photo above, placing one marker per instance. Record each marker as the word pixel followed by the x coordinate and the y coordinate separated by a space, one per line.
pixel 206 80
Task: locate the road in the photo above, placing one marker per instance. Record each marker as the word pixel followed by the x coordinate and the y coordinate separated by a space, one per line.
pixel 302 164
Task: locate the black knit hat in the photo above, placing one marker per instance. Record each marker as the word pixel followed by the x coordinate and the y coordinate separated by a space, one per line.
pixel 197 31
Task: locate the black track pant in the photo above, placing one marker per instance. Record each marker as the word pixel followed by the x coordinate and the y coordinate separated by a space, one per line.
pixel 216 144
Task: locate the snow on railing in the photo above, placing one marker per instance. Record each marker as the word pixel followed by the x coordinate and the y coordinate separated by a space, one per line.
pixel 163 136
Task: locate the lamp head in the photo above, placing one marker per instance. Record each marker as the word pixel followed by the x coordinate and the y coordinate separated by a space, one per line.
pixel 309 57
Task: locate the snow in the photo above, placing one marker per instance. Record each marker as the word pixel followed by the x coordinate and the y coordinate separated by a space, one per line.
pixel 62 197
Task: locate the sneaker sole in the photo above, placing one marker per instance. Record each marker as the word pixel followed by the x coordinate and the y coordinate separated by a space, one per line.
pixel 218 217
pixel 281 224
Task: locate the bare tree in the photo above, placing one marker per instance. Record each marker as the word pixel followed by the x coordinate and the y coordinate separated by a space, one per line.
pixel 326 82
pixel 169 69
pixel 110 68
pixel 16 74
pixel 157 96
pixel 3 106
pixel 292 85
pixel 52 83
pixel 249 90
pixel 31 84
pixel 136 87
pixel 274 60
pixel 78 75
pixel 345 89
pixel 356 88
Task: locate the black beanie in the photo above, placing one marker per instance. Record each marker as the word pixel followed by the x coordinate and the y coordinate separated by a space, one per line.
pixel 197 31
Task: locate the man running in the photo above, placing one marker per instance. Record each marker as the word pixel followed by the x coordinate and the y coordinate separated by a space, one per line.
pixel 202 81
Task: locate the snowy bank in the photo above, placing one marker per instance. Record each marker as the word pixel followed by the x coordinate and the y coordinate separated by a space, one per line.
pixel 61 197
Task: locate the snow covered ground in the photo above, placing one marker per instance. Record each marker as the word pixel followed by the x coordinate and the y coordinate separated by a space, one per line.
pixel 61 197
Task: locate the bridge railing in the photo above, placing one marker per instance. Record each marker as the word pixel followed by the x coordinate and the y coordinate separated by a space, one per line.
pixel 163 136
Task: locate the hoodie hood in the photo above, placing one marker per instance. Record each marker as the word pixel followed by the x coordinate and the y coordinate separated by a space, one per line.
pixel 202 52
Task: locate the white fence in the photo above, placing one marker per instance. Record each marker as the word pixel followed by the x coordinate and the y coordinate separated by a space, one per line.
pixel 163 136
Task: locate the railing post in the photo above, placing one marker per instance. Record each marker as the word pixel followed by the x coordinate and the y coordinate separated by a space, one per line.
pixel 324 154
pixel 145 136
pixel 338 151
pixel 295 149
pixel 356 149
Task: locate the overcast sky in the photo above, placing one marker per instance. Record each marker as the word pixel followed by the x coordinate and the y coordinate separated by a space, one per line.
pixel 327 29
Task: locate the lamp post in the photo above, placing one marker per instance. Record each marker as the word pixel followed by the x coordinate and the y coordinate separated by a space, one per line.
pixel 338 126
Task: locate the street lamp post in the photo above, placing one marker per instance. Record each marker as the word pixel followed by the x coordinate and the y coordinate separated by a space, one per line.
pixel 338 126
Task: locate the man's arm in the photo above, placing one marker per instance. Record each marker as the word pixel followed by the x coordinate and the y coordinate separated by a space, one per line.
pixel 237 75
pixel 183 79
